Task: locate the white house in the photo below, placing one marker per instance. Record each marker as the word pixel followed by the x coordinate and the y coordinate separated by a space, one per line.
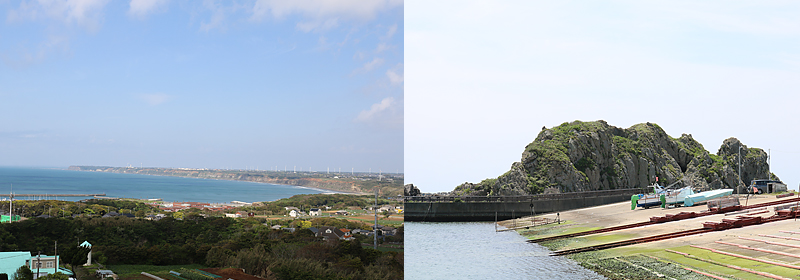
pixel 293 213
pixel 314 212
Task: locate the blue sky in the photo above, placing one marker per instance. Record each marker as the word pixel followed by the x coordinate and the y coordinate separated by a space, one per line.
pixel 485 76
pixel 203 84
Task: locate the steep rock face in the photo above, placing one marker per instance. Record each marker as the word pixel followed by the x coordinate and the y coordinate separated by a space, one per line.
pixel 410 190
pixel 586 156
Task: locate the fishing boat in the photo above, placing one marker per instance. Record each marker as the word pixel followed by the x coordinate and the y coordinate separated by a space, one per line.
pixel 706 196
pixel 661 196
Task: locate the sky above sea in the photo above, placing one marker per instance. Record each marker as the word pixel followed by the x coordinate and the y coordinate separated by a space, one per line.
pixel 485 77
pixel 202 84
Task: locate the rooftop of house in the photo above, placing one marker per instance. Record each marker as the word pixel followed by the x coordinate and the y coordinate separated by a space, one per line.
pixel 12 261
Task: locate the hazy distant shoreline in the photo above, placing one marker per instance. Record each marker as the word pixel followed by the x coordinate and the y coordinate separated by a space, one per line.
pixel 322 182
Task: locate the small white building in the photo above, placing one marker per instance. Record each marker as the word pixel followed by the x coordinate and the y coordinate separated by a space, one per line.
pixel 314 212
pixel 293 213
pixel 234 215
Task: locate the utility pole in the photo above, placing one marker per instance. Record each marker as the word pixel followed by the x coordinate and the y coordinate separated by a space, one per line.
pixel 11 205
pixel 38 263
pixel 740 169
pixel 375 229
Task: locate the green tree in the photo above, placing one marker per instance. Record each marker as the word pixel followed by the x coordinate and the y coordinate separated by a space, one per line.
pixel 24 273
pixel 178 215
pixel 56 276
pixel 75 255
pixel 304 224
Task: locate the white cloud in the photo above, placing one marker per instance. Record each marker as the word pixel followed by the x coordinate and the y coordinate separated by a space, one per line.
pixel 86 13
pixel 376 110
pixel 24 57
pixel 372 64
pixel 395 74
pixel 218 14
pixel 141 8
pixel 155 99
pixel 321 14
pixel 382 47
pixel 390 32
pixel 318 24
pixel 359 55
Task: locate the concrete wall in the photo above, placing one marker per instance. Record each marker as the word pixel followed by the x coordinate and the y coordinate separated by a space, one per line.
pixel 485 211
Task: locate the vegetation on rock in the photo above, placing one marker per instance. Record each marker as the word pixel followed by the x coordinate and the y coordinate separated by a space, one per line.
pixel 588 156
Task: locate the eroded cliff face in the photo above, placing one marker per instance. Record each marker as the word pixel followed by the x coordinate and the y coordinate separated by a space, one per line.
pixel 586 156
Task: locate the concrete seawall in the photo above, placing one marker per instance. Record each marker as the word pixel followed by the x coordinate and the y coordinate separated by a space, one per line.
pixel 468 209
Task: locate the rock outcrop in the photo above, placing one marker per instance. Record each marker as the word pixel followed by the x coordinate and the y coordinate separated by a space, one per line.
pixel 587 156
pixel 410 190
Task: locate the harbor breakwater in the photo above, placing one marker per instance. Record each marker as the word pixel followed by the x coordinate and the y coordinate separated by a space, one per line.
pixel 489 208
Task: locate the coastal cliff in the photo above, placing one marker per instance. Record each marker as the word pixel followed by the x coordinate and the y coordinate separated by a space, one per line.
pixel 388 185
pixel 589 156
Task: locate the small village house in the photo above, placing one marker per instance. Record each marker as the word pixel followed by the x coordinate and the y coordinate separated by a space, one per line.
pixel 11 261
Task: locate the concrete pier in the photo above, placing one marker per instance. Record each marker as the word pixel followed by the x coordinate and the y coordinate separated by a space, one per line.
pixel 471 208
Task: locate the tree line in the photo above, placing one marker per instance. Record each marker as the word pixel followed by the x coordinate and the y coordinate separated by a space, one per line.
pixel 213 241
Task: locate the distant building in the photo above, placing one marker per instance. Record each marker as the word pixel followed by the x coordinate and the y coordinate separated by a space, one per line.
pixel 110 214
pixel 314 212
pixel 155 217
pixel 331 233
pixel 103 273
pixel 8 219
pixel 342 212
pixel 293 213
pixel 387 230
pixel 289 229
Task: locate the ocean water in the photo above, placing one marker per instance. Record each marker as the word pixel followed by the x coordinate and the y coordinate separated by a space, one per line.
pixel 58 181
pixel 476 251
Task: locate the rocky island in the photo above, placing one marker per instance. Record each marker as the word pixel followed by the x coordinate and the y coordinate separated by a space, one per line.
pixel 591 156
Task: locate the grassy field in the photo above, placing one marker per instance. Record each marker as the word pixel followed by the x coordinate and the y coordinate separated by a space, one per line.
pixel 135 269
pixel 382 249
pixel 392 221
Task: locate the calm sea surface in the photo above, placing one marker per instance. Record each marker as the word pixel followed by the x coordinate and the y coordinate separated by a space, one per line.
pixel 475 251
pixel 55 181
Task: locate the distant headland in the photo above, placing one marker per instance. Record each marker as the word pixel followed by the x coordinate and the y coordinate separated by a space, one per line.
pixel 389 184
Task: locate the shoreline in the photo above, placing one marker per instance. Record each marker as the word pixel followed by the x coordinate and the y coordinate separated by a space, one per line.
pixel 322 190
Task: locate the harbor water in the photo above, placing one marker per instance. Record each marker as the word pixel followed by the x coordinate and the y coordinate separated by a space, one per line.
pixel 475 251
pixel 59 181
